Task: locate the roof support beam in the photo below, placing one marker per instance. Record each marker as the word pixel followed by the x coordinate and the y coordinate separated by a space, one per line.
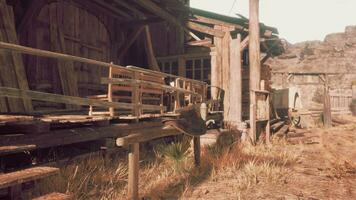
pixel 205 29
pixel 149 5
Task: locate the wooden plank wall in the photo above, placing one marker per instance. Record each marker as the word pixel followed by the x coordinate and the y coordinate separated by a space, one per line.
pixel 68 28
pixel 11 64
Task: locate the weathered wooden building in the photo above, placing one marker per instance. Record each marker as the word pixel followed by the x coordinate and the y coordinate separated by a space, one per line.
pixel 187 42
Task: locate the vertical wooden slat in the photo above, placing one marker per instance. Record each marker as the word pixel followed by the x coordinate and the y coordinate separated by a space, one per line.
pixel 65 68
pixel 110 91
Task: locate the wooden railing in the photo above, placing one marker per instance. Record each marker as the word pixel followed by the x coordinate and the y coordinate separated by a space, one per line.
pixel 146 88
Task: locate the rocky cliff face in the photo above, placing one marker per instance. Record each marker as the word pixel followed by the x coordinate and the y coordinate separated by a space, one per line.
pixel 336 54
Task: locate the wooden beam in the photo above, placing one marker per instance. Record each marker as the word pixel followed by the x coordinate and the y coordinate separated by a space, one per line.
pixel 245 43
pixel 255 65
pixel 112 8
pixel 130 40
pixel 56 98
pixel 133 82
pixel 12 71
pixel 32 10
pixel 141 22
pixel 152 62
pixel 205 29
pixel 205 43
pixel 198 18
pixel 76 135
pixel 235 83
pixel 151 6
pixel 145 136
pixel 49 54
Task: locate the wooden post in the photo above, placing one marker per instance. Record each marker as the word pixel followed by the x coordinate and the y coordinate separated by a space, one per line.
pixel 196 139
pixel 255 65
pixel 268 126
pixel 111 109
pixel 226 73
pixel 235 82
pixel 327 106
pixel 134 150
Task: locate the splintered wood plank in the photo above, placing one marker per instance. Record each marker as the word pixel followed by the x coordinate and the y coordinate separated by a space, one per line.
pixel 5 150
pixel 54 196
pixel 22 176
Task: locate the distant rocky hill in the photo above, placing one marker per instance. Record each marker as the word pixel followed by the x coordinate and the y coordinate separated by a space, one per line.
pixel 336 54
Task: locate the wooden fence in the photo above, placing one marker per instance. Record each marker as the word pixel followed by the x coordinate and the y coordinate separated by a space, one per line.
pixel 340 101
pixel 145 87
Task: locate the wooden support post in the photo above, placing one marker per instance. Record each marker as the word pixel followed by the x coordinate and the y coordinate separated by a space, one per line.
pixel 255 65
pixel 226 73
pixel 152 62
pixel 196 142
pixel 196 139
pixel 136 99
pixel 235 83
pixel 215 73
pixel 134 150
pixel 327 106
pixel 268 126
pixel 253 125
pixel 111 109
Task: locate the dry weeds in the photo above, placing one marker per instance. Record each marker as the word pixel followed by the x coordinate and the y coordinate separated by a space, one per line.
pixel 171 174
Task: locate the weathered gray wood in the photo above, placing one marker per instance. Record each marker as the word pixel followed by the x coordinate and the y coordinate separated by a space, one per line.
pixel 56 98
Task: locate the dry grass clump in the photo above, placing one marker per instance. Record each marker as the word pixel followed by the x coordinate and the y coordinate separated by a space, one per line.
pixel 171 173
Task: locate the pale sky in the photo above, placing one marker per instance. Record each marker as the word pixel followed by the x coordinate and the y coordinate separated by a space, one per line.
pixel 296 20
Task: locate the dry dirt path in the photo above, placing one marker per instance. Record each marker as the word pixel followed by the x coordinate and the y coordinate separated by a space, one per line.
pixel 326 169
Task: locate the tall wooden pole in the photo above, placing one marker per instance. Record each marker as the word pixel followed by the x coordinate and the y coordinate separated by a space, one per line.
pixel 255 64
pixel 235 82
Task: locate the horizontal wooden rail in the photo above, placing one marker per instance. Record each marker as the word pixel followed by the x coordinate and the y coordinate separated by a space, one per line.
pixel 145 83
pixel 50 54
pixel 56 98
pixel 147 136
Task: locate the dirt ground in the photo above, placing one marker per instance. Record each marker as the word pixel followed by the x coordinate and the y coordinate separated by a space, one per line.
pixel 326 169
